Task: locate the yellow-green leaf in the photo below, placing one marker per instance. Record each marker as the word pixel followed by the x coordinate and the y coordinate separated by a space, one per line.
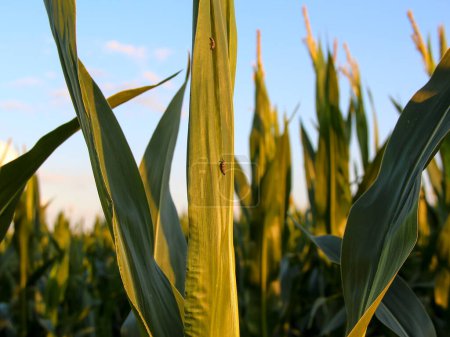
pixel 382 226
pixel 119 185
pixel 211 307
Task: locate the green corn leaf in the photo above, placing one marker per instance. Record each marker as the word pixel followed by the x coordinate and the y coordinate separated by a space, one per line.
pixel 309 157
pixel 211 307
pixel 15 174
pixel 370 173
pixel 332 189
pixel 170 248
pixel 361 127
pixel 275 191
pixel 445 180
pixel 382 225
pixel 337 321
pixel 119 185
pixel 397 105
pixel 131 327
pixel 264 125
pixel 400 310
pixel 59 273
pixel 27 218
pixel 442 281
pixel 243 190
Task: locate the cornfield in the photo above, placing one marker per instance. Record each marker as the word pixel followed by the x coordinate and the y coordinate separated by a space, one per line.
pixel 368 257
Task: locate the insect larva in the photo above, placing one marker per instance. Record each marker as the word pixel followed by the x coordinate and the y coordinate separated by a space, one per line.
pixel 222 166
pixel 212 43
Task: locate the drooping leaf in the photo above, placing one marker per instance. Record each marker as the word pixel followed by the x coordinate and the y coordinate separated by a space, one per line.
pixel 15 174
pixel 382 226
pixel 402 312
pixel 170 247
pixel 400 309
pixel 119 185
pixel 211 307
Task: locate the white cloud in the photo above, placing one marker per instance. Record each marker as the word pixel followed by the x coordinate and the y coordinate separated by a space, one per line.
pixel 26 82
pixel 135 52
pixel 15 105
pixel 161 54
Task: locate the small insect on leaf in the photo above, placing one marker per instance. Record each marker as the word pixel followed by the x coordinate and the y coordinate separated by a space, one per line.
pixel 212 43
pixel 222 166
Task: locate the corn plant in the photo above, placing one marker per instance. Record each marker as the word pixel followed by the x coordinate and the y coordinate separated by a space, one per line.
pixel 264 205
pixel 209 303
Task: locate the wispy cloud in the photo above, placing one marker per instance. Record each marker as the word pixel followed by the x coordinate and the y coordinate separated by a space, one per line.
pixel 161 54
pixel 132 51
pixel 29 81
pixel 15 105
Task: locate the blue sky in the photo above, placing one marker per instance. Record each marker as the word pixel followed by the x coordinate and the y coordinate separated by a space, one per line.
pixel 127 44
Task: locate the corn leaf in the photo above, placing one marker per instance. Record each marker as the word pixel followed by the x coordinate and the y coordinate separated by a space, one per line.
pixel 442 281
pixel 211 307
pixel 243 190
pixel 275 191
pixel 332 189
pixel 59 273
pixel 382 225
pixel 15 174
pixel 400 310
pixel 119 185
pixel 170 248
pixel 262 137
pixel 309 157
pixel 370 173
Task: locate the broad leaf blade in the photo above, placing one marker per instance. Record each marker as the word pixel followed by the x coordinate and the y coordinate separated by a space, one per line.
pixel 403 313
pixel 119 185
pixel 15 174
pixel 170 244
pixel 332 190
pixel 382 225
pixel 400 309
pixel 211 307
